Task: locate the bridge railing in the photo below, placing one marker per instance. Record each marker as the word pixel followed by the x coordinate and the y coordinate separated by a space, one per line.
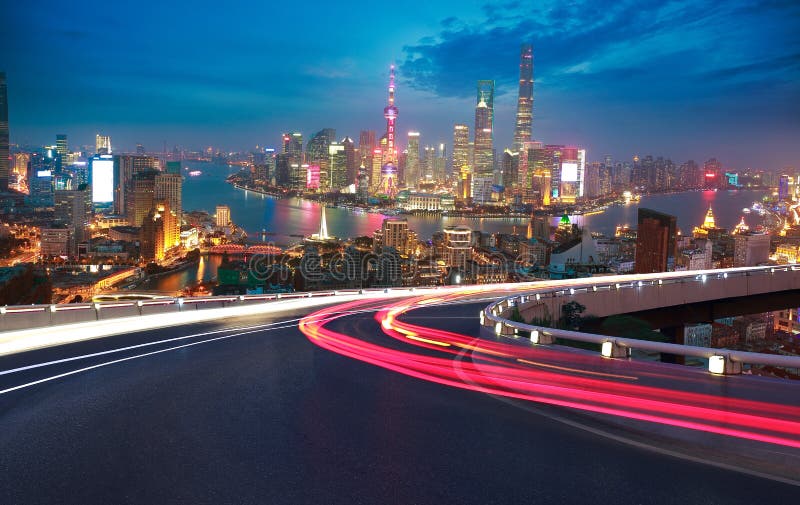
pixel 496 317
pixel 23 317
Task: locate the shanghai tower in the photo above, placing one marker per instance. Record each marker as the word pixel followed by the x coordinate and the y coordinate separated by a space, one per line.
pixel 522 130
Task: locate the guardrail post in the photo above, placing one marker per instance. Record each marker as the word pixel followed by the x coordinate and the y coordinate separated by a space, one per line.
pixel 540 337
pixel 724 365
pixel 611 349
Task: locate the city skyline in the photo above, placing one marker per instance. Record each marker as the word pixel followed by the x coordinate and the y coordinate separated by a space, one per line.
pixel 629 80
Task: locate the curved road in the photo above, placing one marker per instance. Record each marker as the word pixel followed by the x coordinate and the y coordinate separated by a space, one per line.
pixel 248 410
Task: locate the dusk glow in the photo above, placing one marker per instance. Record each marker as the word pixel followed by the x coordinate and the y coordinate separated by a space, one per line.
pixel 689 80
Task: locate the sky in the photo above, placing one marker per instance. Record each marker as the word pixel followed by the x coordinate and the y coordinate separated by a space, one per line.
pixel 684 79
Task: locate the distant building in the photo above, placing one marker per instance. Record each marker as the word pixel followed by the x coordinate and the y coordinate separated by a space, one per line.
pixel 223 216
pixel 102 144
pixel 73 208
pixel 656 243
pixel 750 249
pixel 394 233
pixel 457 246
pixel 56 241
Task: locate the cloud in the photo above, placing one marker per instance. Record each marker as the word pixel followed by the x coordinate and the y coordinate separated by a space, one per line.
pixel 651 41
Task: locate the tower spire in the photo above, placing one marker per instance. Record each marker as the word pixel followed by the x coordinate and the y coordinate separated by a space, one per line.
pixel 323 225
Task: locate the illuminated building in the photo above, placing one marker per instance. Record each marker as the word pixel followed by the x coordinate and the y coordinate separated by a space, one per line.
pixel 223 216
pixel 413 174
pixel 338 165
pixel 457 246
pixel 61 147
pixel 461 164
pixel 298 174
pixel 317 154
pixel 351 162
pixel 125 167
pixel 169 188
pixel 312 176
pixel 322 235
pixel 656 242
pixel 293 146
pixel 160 232
pixel 394 232
pixel 102 144
pixel 509 169
pixel 483 164
pixel 522 128
pixel 73 208
pixel 709 224
pixel 366 143
pixel 4 172
pixel 102 175
pixel 713 174
pixel 140 199
pixel 55 241
pixel 21 168
pixel 572 168
pixel 428 163
pixel 388 174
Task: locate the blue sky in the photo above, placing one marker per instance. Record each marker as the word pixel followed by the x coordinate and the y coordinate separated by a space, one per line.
pixel 680 79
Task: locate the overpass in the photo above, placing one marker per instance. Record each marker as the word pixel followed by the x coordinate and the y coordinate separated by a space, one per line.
pixel 666 297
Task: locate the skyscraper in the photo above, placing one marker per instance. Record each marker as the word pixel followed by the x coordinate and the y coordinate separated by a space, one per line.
pixel 61 146
pixel 73 208
pixel 522 129
pixel 3 133
pixel 484 113
pixel 102 144
pixel 656 242
pixel 412 160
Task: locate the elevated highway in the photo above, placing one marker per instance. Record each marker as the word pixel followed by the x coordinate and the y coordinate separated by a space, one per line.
pixel 224 401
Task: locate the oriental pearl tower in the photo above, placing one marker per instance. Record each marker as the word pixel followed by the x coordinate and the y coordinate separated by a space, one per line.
pixel 389 167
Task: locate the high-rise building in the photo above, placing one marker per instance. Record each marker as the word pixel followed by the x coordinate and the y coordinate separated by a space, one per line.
pixel 428 163
pixel 366 144
pixel 337 165
pixel 160 232
pixel 140 199
pixel 293 146
pixel 62 147
pixel 394 232
pixel 750 249
pixel 460 148
pixel 3 133
pixel 440 164
pixel 317 148
pixel 413 174
pixel 102 144
pixel 351 161
pixel 457 246
pixel 125 167
pixel 73 208
pixel 103 179
pixel 656 242
pixel 483 150
pixel 223 215
pixel 169 188
pixel 509 169
pixel 522 129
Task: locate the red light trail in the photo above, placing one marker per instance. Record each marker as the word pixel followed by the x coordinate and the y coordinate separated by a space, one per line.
pixel 547 375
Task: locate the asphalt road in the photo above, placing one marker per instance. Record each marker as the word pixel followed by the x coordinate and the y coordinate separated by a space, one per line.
pixel 265 416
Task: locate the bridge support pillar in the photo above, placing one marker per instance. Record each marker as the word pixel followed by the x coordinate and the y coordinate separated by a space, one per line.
pixel 611 349
pixel 724 365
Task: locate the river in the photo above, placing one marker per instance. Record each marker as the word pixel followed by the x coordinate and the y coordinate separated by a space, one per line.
pixel 283 217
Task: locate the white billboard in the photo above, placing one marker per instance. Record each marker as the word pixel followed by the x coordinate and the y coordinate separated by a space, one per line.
pixel 569 171
pixel 103 179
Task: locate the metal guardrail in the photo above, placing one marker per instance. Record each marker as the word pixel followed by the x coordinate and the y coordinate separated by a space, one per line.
pixel 721 361
pixel 18 317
